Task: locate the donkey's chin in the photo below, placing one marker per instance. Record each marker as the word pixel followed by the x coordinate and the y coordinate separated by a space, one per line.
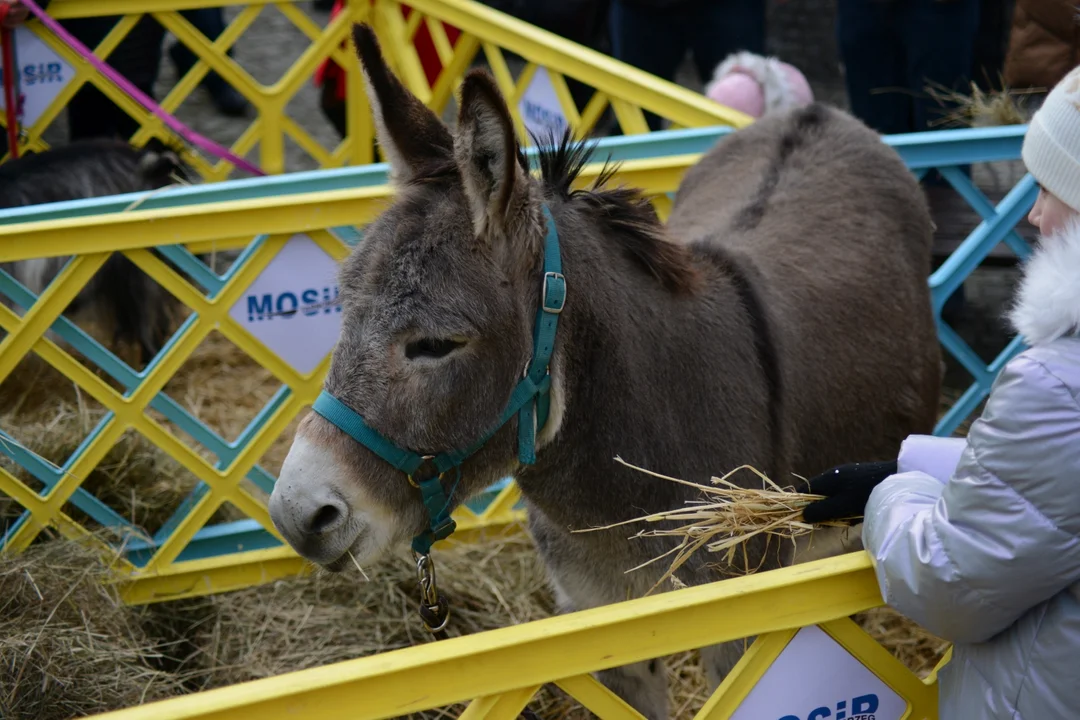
pixel 369 547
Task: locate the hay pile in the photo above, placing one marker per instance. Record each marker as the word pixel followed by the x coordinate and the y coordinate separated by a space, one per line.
pixel 185 646
pixel 918 649
pixel 68 647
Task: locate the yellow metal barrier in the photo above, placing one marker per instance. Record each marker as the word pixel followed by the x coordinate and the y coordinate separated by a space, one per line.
pixel 550 60
pixel 800 616
pixel 230 225
pixel 166 575
pixel 268 130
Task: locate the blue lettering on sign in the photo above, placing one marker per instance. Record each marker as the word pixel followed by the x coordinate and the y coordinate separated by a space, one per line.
pixel 863 707
pixel 540 114
pixel 259 309
pixel 286 304
pixel 310 297
pixel 42 73
pixel 282 299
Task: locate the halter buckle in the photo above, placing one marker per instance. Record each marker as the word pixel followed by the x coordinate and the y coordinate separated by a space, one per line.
pixel 555 288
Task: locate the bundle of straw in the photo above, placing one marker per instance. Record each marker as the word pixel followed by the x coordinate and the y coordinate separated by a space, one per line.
pixel 988 108
pixel 725 519
pixel 984 108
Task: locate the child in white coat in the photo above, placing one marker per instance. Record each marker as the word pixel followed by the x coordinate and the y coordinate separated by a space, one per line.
pixel 977 539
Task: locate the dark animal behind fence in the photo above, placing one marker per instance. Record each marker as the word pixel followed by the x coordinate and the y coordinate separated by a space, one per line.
pixel 120 295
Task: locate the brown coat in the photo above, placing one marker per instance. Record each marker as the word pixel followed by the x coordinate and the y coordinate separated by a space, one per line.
pixel 1044 44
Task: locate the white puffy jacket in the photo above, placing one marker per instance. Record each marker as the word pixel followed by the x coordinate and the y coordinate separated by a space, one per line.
pixel 978 540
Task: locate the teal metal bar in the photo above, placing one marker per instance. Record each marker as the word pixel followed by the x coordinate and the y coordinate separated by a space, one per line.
pixel 939 148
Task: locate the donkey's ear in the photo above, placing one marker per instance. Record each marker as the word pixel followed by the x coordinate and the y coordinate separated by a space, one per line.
pixel 412 136
pixel 488 155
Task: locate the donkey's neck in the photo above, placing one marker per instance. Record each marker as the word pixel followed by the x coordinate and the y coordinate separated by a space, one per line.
pixel 647 374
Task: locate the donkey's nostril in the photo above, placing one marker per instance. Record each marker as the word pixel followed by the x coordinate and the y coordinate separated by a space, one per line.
pixel 325 518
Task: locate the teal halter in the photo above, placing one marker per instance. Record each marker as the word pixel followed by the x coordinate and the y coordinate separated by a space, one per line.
pixel 530 401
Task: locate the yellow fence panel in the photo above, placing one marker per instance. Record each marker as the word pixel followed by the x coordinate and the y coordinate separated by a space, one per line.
pixel 191 554
pixel 539 95
pixel 187 553
pixel 809 660
pixel 268 130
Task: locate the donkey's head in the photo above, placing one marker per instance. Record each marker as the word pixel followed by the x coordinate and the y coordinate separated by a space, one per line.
pixel 438 303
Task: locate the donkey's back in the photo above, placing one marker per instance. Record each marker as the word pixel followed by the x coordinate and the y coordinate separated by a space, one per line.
pixel 837 235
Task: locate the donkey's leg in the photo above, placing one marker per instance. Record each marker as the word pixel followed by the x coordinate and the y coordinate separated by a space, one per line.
pixel 644 684
pixel 579 585
pixel 720 659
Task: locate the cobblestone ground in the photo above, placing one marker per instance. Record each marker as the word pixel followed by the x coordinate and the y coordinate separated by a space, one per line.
pixel 273 43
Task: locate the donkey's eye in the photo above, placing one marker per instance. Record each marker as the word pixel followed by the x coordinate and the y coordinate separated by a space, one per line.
pixel 432 348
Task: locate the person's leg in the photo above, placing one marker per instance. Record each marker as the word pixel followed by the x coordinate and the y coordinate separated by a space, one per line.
pixel 940 37
pixel 138 58
pixel 332 106
pixel 719 27
pixel 991 43
pixel 647 39
pixel 872 54
pixel 580 21
pixel 211 23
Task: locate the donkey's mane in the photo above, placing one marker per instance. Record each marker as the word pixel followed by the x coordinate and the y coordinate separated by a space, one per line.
pixel 624 211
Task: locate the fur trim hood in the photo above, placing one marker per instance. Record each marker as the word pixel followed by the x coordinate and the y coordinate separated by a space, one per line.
pixel 781 84
pixel 1047 304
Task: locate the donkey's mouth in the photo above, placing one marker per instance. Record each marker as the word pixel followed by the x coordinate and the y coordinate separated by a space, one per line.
pixel 339 564
pixel 348 558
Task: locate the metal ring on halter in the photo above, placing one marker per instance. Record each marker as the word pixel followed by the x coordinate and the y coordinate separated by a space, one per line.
pixel 425 458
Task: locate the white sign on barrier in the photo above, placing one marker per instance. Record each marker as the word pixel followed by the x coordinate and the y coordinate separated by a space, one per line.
pixel 292 305
pixel 42 75
pixel 540 108
pixel 815 678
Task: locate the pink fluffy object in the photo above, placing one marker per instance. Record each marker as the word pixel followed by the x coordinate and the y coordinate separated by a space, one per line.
pixel 758 85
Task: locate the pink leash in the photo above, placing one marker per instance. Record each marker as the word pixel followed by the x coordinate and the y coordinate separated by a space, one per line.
pixel 121 82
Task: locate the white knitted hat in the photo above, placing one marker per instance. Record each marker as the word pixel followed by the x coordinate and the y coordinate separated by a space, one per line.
pixel 1052 143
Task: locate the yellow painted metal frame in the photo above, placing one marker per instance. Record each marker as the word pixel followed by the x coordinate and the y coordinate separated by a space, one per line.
pixel 626 89
pixel 500 670
pixel 271 126
pixel 163 578
pixel 92 239
pixel 231 224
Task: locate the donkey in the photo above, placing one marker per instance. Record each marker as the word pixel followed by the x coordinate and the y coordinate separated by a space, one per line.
pixel 120 295
pixel 781 320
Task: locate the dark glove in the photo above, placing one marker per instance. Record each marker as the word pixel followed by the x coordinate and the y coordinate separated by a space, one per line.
pixel 846 489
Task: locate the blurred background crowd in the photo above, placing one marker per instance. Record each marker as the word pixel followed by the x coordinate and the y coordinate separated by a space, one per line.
pixel 893 63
